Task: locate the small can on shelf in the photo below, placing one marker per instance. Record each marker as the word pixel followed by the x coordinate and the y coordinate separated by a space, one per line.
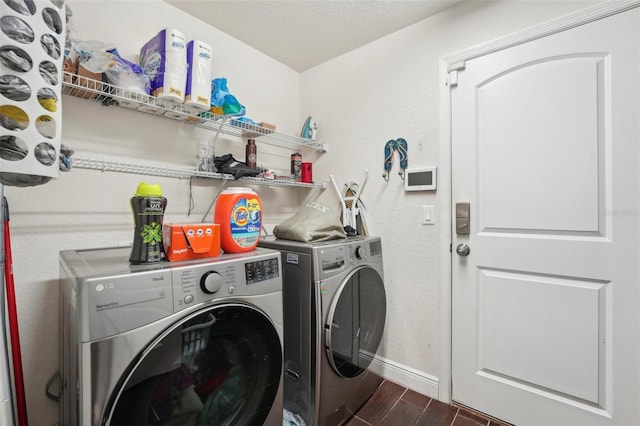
pixel 296 166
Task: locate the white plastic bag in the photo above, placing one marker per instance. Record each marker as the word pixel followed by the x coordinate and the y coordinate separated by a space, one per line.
pixel 98 57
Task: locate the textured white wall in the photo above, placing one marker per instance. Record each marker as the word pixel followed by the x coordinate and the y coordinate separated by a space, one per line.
pixel 85 208
pixel 383 91
pixel 386 90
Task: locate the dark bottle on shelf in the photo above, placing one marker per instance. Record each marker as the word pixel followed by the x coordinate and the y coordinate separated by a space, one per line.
pixel 148 207
pixel 251 154
pixel 296 166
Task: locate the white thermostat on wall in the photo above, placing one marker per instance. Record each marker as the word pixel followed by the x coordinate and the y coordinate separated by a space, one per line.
pixel 422 179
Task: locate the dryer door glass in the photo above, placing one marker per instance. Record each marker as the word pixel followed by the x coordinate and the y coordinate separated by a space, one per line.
pixel 219 366
pixel 356 322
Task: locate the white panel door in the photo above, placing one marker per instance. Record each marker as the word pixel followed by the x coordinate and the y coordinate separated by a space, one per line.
pixel 545 306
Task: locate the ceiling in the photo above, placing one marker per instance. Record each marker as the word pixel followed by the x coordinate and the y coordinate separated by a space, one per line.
pixel 304 33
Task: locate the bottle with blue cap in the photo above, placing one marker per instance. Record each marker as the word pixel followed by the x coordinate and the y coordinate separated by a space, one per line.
pixel 148 207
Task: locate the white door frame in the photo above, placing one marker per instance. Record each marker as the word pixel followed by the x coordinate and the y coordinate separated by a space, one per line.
pixel 452 63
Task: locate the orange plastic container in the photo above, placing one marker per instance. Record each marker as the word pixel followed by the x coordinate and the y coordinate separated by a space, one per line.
pixel 239 213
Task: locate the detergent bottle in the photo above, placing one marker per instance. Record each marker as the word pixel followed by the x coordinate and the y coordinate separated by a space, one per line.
pixel 238 211
pixel 148 207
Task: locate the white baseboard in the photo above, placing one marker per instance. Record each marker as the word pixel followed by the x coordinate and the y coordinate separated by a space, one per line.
pixel 406 376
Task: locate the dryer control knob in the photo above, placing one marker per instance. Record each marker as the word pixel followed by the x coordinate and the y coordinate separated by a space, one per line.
pixel 358 252
pixel 211 282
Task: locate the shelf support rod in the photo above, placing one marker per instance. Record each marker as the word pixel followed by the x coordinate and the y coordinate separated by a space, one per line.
pixel 219 129
pixel 220 188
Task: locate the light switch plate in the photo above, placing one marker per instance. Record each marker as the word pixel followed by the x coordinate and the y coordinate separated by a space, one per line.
pixel 427 215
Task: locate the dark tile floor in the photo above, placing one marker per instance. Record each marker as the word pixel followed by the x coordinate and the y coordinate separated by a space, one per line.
pixel 394 405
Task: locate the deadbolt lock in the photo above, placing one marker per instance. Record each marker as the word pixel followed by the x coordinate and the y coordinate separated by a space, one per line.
pixel 463 217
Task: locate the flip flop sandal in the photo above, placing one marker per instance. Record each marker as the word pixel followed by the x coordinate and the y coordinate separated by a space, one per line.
pixel 389 147
pixel 402 147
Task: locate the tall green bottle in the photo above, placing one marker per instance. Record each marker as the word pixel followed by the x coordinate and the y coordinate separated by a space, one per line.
pixel 148 207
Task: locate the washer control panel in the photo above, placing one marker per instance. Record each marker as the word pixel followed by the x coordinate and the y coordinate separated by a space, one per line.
pixel 111 296
pixel 261 270
pixel 236 276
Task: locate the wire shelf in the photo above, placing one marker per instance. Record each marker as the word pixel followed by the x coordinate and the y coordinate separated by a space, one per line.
pixel 179 172
pixel 110 95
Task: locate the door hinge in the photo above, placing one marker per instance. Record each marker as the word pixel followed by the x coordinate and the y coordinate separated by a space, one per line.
pixel 453 73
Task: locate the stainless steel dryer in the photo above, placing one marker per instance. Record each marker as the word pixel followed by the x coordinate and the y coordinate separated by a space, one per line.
pixel 195 342
pixel 334 315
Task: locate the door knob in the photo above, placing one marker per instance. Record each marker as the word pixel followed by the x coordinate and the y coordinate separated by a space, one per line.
pixel 463 250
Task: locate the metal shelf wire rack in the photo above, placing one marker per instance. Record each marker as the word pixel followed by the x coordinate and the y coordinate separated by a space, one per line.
pixel 178 172
pixel 110 95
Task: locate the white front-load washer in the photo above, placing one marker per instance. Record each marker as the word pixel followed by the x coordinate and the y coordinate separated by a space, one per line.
pixel 334 314
pixel 173 343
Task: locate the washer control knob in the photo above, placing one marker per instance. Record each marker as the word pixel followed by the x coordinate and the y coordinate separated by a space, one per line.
pixel 358 252
pixel 211 282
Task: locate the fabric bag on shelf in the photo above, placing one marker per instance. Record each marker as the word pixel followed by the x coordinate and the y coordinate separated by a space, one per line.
pixel 313 222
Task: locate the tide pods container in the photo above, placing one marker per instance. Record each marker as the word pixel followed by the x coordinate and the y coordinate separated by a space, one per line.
pixel 239 213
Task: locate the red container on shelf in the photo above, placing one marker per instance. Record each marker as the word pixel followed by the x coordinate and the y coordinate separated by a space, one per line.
pixel 307 172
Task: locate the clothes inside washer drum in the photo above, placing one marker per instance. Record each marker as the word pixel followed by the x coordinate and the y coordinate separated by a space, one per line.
pixel 185 409
pixel 168 404
pixel 173 400
pixel 227 383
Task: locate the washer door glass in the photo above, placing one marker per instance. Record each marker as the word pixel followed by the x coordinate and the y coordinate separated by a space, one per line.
pixel 356 322
pixel 219 366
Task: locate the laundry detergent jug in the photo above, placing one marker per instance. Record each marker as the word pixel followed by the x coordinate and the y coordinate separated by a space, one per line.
pixel 238 211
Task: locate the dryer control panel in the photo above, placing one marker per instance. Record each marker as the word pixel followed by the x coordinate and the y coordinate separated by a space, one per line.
pixel 334 259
